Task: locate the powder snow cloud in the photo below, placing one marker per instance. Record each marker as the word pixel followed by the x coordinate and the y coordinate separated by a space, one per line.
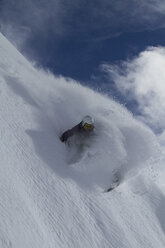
pixel 28 22
pixel 143 79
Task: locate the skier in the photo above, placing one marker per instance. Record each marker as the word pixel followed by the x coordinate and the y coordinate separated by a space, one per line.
pixel 85 127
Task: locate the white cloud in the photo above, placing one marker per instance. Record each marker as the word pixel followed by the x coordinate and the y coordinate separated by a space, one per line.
pixel 100 19
pixel 143 79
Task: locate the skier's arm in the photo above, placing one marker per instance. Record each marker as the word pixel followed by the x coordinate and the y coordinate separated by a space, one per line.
pixel 66 135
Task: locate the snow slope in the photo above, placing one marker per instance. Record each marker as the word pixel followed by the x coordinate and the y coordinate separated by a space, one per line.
pixel 52 195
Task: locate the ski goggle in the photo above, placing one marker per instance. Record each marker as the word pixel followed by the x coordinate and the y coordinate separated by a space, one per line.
pixel 88 126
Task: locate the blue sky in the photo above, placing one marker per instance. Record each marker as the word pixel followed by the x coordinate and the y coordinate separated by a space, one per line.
pixel 76 38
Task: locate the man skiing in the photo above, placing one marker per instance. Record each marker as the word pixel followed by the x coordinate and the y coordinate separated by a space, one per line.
pixel 85 127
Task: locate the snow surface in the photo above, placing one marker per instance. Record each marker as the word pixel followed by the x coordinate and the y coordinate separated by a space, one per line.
pixel 51 194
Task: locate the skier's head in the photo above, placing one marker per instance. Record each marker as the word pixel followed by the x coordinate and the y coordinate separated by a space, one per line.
pixel 87 122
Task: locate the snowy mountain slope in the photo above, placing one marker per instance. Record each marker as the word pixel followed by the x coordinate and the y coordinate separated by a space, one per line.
pixel 51 195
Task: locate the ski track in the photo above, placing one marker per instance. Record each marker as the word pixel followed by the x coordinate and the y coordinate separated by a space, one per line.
pixel 39 207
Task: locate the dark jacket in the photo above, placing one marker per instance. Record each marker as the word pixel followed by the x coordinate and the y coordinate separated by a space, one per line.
pixel 78 129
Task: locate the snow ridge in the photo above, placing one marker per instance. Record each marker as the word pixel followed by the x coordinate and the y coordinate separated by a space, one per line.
pixel 51 195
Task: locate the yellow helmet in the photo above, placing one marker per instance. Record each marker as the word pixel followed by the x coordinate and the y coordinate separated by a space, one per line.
pixel 87 122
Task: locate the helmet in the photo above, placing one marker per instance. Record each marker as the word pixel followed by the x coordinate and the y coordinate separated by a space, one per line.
pixel 87 122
